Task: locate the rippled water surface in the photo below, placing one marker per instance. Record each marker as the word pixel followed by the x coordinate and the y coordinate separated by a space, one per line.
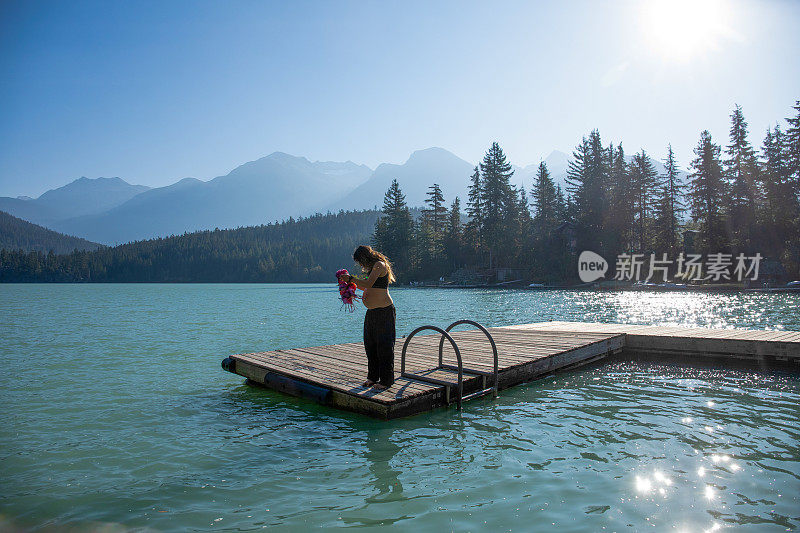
pixel 116 411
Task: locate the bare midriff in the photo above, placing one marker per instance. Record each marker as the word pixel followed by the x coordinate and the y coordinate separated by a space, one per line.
pixel 374 298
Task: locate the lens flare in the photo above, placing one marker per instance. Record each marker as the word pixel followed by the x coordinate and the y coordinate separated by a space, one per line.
pixel 678 30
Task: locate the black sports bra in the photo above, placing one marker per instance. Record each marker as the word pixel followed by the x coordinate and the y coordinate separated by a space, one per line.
pixel 382 282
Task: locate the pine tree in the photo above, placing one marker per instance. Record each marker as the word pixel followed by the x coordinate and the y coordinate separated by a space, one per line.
pixel 394 201
pixel 546 202
pixel 706 193
pixel 549 211
pixel 394 230
pixel 499 202
pixel 423 263
pixel 563 205
pixel 474 230
pixel 669 207
pixel 432 225
pixel 644 180
pixel 453 241
pixel 741 172
pixel 622 200
pixel 792 148
pixel 523 205
pixel 436 213
pixel 520 225
pixel 576 171
pixel 588 180
pixel 781 211
pixel 475 198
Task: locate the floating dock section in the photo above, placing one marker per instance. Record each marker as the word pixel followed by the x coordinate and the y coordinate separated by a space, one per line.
pixel 677 344
pixel 438 367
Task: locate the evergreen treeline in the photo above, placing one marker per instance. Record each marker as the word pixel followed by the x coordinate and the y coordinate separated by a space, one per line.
pixel 738 201
pixel 18 234
pixel 303 250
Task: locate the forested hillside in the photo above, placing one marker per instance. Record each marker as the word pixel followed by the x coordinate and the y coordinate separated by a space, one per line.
pixel 18 234
pixel 303 250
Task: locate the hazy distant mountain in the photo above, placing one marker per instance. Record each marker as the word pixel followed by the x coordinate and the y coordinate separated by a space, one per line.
pixel 436 165
pixel 272 188
pixel 18 234
pixel 275 187
pixel 86 196
pixel 423 168
pixel 83 196
pixel 557 163
pixel 29 210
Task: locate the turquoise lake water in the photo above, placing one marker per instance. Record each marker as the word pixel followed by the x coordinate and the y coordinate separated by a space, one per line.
pixel 116 412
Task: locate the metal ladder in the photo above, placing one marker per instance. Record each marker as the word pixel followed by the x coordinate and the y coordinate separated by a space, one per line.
pixel 459 368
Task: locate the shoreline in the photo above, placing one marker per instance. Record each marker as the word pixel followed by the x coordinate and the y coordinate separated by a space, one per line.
pixel 718 288
pixel 633 288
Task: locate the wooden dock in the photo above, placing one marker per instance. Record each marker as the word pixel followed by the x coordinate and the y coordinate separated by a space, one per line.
pixel 682 344
pixel 333 374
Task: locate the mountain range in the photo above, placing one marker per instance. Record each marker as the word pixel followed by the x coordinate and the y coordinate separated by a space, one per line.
pixel 276 187
pixel 272 188
pixel 83 196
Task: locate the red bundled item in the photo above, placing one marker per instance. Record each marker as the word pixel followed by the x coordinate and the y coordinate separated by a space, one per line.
pixel 347 291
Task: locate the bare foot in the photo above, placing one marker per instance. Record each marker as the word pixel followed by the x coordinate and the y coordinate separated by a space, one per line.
pixel 368 383
pixel 380 387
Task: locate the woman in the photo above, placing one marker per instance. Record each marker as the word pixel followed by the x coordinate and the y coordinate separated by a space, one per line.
pixel 379 332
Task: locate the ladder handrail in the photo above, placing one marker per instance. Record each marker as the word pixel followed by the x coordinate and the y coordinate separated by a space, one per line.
pixel 491 341
pixel 445 335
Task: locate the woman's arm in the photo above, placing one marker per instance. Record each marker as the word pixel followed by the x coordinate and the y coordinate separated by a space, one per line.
pixel 378 269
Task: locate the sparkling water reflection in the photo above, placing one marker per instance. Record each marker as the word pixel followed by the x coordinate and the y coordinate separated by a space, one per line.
pixel 121 414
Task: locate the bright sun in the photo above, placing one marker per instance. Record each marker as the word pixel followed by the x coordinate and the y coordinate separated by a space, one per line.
pixel 679 30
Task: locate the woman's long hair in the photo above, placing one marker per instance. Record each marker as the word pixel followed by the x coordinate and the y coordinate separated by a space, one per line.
pixel 367 257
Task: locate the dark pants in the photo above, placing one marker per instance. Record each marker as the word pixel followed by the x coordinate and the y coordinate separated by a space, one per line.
pixel 379 335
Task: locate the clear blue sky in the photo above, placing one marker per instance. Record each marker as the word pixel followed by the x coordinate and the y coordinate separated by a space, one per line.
pixel 157 91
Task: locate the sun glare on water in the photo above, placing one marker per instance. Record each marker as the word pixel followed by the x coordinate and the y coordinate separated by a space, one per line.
pixel 679 30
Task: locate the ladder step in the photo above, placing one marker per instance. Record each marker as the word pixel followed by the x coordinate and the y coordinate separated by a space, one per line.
pixel 467 370
pixel 432 381
pixel 477 394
